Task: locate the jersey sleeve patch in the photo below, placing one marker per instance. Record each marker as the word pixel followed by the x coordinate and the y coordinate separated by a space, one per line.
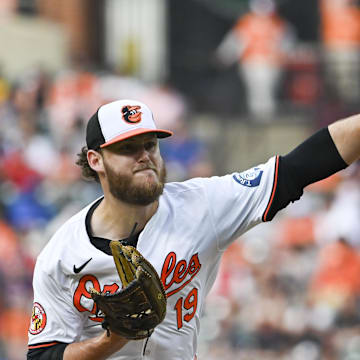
pixel 38 319
pixel 249 178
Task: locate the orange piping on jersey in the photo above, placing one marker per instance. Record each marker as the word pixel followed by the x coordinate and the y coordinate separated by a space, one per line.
pixel 273 189
pixel 42 345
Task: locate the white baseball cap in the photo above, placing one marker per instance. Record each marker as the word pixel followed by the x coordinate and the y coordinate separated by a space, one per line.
pixel 120 120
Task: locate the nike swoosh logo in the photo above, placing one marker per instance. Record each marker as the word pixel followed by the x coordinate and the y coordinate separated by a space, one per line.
pixel 78 269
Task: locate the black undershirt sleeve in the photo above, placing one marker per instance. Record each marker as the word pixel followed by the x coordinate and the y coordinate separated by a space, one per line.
pixel 313 160
pixel 55 352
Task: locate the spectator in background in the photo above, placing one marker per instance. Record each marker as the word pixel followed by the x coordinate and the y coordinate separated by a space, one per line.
pixel 15 281
pixel 260 41
pixel 336 281
pixel 340 32
pixel 340 219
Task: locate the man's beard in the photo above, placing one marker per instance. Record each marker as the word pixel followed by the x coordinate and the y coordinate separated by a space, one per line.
pixel 122 187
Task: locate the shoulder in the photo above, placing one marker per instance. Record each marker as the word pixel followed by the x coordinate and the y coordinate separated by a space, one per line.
pixel 280 22
pixel 195 189
pixel 185 193
pixel 243 20
pixel 66 242
pixel 200 184
pixel 176 188
pixel 250 178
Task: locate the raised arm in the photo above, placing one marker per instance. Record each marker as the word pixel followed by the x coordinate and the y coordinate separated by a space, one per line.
pixel 346 136
pixel 326 152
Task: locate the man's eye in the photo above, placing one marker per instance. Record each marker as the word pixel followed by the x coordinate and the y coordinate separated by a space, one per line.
pixel 150 145
pixel 128 148
pixel 125 149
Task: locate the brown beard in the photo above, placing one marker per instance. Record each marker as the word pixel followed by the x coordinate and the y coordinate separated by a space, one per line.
pixel 122 188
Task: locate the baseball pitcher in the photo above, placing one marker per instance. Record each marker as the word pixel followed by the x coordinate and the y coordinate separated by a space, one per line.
pixel 127 276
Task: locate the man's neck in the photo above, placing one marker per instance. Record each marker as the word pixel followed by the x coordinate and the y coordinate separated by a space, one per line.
pixel 114 220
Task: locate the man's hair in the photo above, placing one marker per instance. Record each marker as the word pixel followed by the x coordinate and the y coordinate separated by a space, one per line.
pixel 87 172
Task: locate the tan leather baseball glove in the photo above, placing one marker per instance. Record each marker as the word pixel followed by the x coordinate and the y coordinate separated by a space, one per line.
pixel 134 311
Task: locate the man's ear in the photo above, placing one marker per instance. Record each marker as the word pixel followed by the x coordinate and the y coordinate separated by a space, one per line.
pixel 95 160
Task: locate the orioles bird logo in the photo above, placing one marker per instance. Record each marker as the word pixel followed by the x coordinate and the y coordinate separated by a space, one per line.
pixel 131 114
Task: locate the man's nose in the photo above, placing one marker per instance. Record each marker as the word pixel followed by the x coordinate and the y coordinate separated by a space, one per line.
pixel 143 154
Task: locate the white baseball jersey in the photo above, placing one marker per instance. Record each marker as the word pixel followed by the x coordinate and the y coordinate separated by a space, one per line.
pixel 184 241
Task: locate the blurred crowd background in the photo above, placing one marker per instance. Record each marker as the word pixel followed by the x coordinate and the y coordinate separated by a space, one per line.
pixel 238 81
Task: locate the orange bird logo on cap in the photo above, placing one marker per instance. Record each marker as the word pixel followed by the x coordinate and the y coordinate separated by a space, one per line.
pixel 131 113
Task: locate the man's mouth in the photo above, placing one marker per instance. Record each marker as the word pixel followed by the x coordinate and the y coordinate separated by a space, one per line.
pixel 145 168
